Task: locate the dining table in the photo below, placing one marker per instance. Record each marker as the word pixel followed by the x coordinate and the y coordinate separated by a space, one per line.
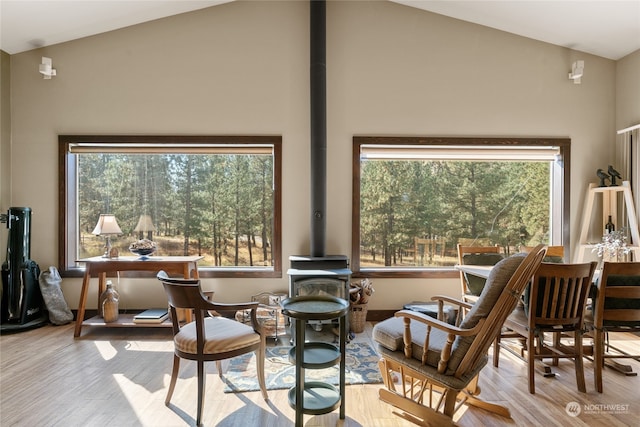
pixel 484 271
pixel 476 270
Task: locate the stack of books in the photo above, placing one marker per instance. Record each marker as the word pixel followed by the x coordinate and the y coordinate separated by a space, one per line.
pixel 154 315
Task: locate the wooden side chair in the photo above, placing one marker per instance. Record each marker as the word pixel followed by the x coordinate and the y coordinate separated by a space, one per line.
pixel 556 305
pixel 616 308
pixel 437 364
pixel 209 338
pixel 471 285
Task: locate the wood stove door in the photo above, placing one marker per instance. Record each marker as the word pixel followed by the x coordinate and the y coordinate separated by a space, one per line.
pixel 314 286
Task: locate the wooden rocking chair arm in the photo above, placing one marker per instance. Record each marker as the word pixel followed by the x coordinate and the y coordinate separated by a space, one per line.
pixel 430 322
pixel 453 301
pixel 435 323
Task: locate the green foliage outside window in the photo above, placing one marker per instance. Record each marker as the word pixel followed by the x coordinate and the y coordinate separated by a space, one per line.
pixel 220 206
pixel 413 213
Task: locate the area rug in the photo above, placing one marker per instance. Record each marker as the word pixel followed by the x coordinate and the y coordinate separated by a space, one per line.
pixel 240 376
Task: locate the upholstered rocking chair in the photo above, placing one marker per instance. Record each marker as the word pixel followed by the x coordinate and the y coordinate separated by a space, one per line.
pixel 430 368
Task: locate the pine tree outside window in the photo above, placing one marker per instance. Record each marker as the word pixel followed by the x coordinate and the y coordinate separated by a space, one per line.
pixel 214 196
pixel 415 199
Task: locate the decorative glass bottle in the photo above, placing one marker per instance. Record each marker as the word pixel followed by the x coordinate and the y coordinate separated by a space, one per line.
pixel 609 227
pixel 109 303
pixel 110 309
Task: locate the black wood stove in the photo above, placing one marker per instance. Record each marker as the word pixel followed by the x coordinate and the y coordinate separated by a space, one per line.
pixel 318 273
pixel 317 276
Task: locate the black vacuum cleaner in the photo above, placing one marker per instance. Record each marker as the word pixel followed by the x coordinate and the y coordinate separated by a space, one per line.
pixel 22 304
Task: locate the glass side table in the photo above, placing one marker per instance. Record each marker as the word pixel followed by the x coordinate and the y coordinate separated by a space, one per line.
pixel 269 314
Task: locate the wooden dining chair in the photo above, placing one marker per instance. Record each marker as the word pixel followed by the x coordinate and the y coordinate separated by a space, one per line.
pixel 557 300
pixel 471 285
pixel 209 338
pixel 616 308
pixel 554 253
pixel 437 364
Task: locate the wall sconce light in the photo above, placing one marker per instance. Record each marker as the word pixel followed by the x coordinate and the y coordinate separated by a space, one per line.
pixel 46 68
pixel 107 226
pixel 577 70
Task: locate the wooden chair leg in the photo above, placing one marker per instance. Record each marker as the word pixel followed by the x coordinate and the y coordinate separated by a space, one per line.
pixel 174 378
pixel 201 386
pixel 219 367
pixel 579 362
pixel 531 360
pixel 260 356
pixel 541 350
pixel 450 402
pixel 557 336
pixel 496 351
pixel 598 358
pixel 523 347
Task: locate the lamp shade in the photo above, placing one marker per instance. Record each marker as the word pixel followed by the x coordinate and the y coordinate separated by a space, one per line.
pixel 106 225
pixel 145 224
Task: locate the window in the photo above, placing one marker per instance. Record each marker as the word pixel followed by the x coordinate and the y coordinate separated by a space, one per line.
pixel 415 199
pixel 215 196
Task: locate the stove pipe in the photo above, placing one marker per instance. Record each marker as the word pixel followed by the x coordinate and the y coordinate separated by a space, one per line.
pixel 318 125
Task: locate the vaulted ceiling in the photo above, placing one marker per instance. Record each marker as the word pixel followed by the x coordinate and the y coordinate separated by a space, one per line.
pixel 607 28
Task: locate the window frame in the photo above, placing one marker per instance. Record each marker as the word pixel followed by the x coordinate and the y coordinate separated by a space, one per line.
pixel 67 192
pixel 561 207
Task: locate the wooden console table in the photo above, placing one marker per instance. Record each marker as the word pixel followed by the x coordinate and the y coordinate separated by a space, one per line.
pixel 99 267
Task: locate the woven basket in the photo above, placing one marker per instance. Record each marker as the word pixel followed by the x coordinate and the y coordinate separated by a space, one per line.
pixel 357 317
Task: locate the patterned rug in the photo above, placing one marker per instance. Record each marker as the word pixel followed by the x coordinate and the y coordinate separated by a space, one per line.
pixel 240 376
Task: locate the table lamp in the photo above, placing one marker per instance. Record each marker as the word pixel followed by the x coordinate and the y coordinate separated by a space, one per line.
pixel 145 225
pixel 107 226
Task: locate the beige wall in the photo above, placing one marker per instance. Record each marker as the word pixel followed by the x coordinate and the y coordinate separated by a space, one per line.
pixel 628 91
pixel 5 133
pixel 242 68
pixel 5 143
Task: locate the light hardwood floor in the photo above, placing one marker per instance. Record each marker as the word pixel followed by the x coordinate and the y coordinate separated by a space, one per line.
pixel 119 377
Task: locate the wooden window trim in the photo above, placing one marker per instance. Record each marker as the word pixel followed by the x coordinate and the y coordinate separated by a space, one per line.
pixel 417 272
pixel 64 141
